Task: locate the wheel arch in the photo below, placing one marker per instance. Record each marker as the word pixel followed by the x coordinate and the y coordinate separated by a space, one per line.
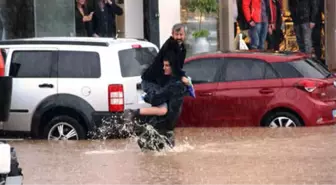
pixel 65 104
pixel 280 109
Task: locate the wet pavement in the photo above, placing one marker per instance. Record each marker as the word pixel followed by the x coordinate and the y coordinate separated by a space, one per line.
pixel 202 156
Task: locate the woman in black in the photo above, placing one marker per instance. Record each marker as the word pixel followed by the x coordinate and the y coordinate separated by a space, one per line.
pixel 83 19
pixel 104 20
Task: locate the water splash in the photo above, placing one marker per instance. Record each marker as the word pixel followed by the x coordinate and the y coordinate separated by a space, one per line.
pixel 112 127
pixel 144 134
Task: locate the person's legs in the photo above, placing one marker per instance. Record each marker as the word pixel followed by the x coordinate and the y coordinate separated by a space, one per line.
pixel 262 35
pixel 170 127
pixel 316 40
pixel 277 38
pixel 151 89
pixel 234 29
pixel 270 41
pixel 299 37
pixel 164 125
pixel 307 37
pixel 254 36
pixel 156 96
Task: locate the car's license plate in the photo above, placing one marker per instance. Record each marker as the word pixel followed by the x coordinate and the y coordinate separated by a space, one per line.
pixel 334 113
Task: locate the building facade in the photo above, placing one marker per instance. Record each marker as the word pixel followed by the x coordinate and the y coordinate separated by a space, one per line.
pixel 150 19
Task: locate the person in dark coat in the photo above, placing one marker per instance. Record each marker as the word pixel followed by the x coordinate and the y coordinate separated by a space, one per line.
pixel 303 14
pixel 174 44
pixel 83 19
pixel 275 37
pixel 104 23
pixel 164 92
pixel 171 94
pixel 153 78
pixel 244 26
pixel 242 22
pixel 316 35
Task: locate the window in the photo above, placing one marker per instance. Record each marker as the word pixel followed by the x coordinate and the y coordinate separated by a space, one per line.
pixel 32 64
pixel 134 61
pixel 78 64
pixel 247 69
pixel 202 71
pixel 286 70
pixel 269 72
pixel 302 68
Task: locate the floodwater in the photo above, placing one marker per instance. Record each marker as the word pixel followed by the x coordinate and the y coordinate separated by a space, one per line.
pixel 202 156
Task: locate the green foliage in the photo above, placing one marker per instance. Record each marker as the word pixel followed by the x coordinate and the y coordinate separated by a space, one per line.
pixel 200 33
pixel 202 7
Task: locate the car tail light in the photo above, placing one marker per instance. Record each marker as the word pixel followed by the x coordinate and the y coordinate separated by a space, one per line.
pixel 116 98
pixel 310 85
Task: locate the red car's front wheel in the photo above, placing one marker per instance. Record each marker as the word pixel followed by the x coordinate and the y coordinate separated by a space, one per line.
pixel 282 119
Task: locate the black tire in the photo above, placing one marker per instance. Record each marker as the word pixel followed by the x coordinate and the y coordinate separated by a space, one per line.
pixel 273 116
pixel 81 133
pixel 15 169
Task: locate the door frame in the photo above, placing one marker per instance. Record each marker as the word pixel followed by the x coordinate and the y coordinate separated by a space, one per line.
pixel 151 21
pixel 25 112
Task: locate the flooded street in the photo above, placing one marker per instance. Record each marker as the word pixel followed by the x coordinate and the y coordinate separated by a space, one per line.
pixel 202 156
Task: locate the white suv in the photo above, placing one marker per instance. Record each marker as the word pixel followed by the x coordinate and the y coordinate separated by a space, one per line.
pixel 63 85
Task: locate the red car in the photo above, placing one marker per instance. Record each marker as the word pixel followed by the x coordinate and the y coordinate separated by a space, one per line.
pixel 258 89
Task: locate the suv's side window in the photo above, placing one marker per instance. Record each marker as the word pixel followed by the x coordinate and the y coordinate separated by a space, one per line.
pixel 78 64
pixel 238 69
pixel 202 70
pixel 135 60
pixel 32 64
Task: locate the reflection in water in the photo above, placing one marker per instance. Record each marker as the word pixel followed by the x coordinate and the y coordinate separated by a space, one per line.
pixel 202 156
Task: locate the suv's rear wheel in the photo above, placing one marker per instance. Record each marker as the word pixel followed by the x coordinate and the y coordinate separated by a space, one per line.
pixel 64 128
pixel 282 119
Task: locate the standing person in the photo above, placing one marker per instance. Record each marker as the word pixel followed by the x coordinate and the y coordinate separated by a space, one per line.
pixel 83 19
pixel 153 75
pixel 235 16
pixel 104 23
pixel 303 14
pixel 172 95
pixel 275 36
pixel 244 26
pixel 316 35
pixel 258 14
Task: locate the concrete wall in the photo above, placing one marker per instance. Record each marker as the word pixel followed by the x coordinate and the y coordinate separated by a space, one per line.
pixel 133 12
pixel 330 22
pixel 170 14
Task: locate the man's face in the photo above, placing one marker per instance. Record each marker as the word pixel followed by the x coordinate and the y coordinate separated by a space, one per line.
pixel 179 35
pixel 166 68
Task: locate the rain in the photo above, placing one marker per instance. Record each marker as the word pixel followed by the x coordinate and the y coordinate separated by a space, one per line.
pixel 224 150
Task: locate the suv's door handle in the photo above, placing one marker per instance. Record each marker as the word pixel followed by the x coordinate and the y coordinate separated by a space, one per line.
pixel 46 86
pixel 206 94
pixel 266 91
